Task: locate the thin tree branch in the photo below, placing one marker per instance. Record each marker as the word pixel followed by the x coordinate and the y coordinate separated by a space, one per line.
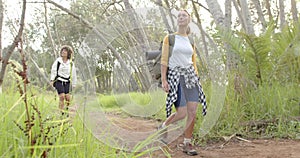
pixel 49 32
pixel 239 13
pixel 294 10
pixel 1 24
pixel 98 33
pixel 85 22
pixel 170 14
pixel 15 43
pixel 201 29
pixel 201 5
pixel 164 16
pixel 109 5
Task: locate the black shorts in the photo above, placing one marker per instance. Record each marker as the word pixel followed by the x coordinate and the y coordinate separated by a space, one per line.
pixel 62 87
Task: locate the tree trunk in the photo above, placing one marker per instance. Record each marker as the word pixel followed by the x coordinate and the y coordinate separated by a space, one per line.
pixel 163 14
pixel 294 10
pixel 204 40
pixel 134 20
pixel 268 6
pixel 49 32
pixel 216 11
pixel 228 13
pixel 246 16
pixel 15 43
pixel 1 24
pixel 97 32
pixel 281 14
pixel 100 34
pixel 142 38
pixel 201 29
pixel 171 18
pixel 99 84
pixel 239 13
pixel 230 63
pixel 260 14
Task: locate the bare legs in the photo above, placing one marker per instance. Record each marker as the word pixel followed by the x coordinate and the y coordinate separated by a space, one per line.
pixel 61 101
pixel 191 118
pixel 178 115
pixel 191 111
pixel 62 98
pixel 68 99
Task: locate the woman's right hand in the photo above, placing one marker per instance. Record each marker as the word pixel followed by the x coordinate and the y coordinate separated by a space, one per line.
pixel 51 83
pixel 165 86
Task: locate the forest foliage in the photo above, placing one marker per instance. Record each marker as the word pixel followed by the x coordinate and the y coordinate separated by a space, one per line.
pixel 248 61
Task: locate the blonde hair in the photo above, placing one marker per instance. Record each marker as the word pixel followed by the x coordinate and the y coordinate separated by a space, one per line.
pixel 188 30
pixel 185 11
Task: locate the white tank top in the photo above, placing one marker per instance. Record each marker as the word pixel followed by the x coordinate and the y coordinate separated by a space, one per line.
pixel 182 53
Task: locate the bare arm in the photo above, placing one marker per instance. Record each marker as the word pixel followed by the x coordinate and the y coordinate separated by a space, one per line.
pixel 164 81
pixel 164 64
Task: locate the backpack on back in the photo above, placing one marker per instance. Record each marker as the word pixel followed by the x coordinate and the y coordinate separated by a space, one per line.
pixel 156 69
pixel 57 68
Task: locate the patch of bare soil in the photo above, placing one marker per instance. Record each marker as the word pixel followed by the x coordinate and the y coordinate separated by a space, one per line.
pixel 258 148
pixel 234 147
pixel 132 123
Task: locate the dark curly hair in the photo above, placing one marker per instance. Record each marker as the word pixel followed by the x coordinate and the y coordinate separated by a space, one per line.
pixel 68 49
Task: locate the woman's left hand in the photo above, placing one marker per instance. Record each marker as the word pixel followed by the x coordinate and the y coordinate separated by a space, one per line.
pixel 165 86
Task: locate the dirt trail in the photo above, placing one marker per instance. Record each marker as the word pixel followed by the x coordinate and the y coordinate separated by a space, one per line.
pixel 234 148
pixel 261 148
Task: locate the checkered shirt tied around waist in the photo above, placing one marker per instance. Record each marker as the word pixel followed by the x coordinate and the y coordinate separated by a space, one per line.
pixel 191 80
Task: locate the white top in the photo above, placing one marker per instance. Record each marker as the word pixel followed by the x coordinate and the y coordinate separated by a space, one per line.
pixel 63 71
pixel 182 53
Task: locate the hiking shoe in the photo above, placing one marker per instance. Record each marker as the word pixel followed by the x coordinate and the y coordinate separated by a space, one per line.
pixel 163 131
pixel 188 149
pixel 67 111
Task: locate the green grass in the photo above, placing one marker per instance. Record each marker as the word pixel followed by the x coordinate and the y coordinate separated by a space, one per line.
pixel 273 107
pixel 72 138
pixel 278 102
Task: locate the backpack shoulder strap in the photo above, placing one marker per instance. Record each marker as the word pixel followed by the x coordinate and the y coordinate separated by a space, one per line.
pixel 171 38
pixel 57 67
pixel 58 64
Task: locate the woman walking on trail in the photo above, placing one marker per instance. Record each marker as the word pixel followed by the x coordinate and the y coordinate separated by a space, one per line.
pixel 180 80
pixel 63 75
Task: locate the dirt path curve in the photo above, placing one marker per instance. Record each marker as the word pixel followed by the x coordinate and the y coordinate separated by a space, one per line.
pixel 234 148
pixel 262 148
